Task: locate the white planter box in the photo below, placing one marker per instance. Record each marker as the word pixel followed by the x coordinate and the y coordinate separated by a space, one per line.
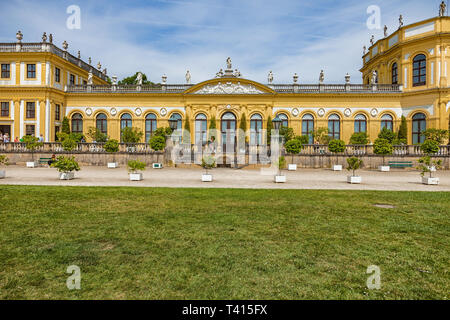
pixel 354 180
pixel 2 174
pixel 113 165
pixel 157 165
pixel 337 167
pixel 384 168
pixel 280 179
pixel 66 176
pixel 207 178
pixel 31 164
pixel 136 176
pixel 430 181
pixel 292 167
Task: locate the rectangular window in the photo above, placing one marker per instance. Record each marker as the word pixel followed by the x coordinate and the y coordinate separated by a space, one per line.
pixel 31 71
pixel 57 75
pixel 56 133
pixel 57 112
pixel 72 79
pixel 30 130
pixel 31 110
pixel 6 74
pixel 5 109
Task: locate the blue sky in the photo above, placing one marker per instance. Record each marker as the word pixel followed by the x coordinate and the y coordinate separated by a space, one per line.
pixel 171 36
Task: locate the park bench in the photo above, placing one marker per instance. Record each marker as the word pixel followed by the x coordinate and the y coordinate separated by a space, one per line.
pixel 400 164
pixel 44 161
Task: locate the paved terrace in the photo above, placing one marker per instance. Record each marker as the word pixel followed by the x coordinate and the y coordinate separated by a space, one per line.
pixel 402 180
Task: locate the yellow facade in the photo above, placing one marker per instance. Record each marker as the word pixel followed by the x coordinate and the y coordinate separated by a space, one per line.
pixel 231 93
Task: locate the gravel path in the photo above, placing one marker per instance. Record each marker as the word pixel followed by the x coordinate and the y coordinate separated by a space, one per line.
pixel 404 180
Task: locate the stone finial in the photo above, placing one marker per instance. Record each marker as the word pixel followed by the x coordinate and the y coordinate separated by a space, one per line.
pixel 164 79
pixel 372 40
pixel 44 37
pixel 19 36
pixel 90 60
pixel 347 79
pixel 65 45
pixel 114 80
pixel 364 50
pixel 385 31
pixel 79 54
pixel 295 77
pixel 99 66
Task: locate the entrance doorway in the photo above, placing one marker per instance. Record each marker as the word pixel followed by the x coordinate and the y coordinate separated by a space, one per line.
pixel 228 130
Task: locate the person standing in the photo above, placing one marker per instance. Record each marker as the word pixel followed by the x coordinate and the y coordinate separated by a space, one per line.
pixel 41 138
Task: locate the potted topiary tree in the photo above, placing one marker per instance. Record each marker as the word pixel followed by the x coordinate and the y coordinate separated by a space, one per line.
pixel 427 164
pixel 336 146
pixel 133 167
pixel 293 147
pixel 281 164
pixel 354 164
pixel 31 144
pixel 66 167
pixel 112 146
pixel 208 162
pixel 3 162
pixel 383 148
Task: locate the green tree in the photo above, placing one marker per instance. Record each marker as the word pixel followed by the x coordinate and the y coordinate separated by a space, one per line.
pixel 354 164
pixel 212 128
pixel 287 134
pixel 387 134
pixel 383 148
pixel 65 127
pixel 66 164
pixel 269 129
pixel 293 146
pixel 32 144
pixel 242 132
pixel 304 140
pixel 131 135
pixel 133 80
pixel 96 135
pixel 438 135
pixel 402 134
pixel 208 162
pixel 359 138
pixel 135 165
pixel 187 130
pixel 336 146
pixel 430 147
pixel 112 146
pixel 157 143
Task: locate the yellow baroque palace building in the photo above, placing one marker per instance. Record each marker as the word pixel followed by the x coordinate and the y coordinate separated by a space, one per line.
pixel 404 74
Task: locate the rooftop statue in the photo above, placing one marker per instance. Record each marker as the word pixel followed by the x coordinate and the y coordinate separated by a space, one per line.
pixel 99 66
pixel 374 77
pixel 372 40
pixel 44 37
pixel 442 9
pixel 385 31
pixel 139 78
pixel 90 78
pixel 219 74
pixel 270 77
pixel 65 45
pixel 229 65
pixel 400 21
pixel 237 73
pixel 114 80
pixel 188 77
pixel 50 38
pixel 364 50
pixel 19 36
pixel 321 77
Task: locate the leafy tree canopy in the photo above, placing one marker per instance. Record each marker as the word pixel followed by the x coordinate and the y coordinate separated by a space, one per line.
pixel 133 80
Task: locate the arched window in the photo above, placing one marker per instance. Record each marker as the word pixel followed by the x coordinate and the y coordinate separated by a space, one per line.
pixel 387 122
pixel 77 123
pixel 125 121
pixel 228 128
pixel 177 117
pixel 360 123
pixel 419 125
pixel 284 120
pixel 255 130
pixel 308 127
pixel 394 73
pixel 101 123
pixel 419 70
pixel 334 127
pixel 201 125
pixel 150 126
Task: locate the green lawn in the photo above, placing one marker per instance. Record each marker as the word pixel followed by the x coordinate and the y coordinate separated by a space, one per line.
pixel 157 243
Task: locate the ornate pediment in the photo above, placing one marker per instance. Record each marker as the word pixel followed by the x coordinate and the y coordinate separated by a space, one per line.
pixel 228 88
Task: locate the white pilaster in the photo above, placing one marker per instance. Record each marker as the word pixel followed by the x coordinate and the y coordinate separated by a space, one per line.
pixel 21 124
pixel 432 73
pixel 406 77
pixel 47 74
pixel 47 121
pixel 38 118
pixel 12 110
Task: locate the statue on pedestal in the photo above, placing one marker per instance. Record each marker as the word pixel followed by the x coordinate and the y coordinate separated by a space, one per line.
pixel 90 78
pixel 385 31
pixel 139 78
pixel 188 77
pixel 364 50
pixel 372 40
pixel 442 9
pixel 321 77
pixel 270 77
pixel 400 21
pixel 19 36
pixel 229 65
pixel 50 38
pixel 44 37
